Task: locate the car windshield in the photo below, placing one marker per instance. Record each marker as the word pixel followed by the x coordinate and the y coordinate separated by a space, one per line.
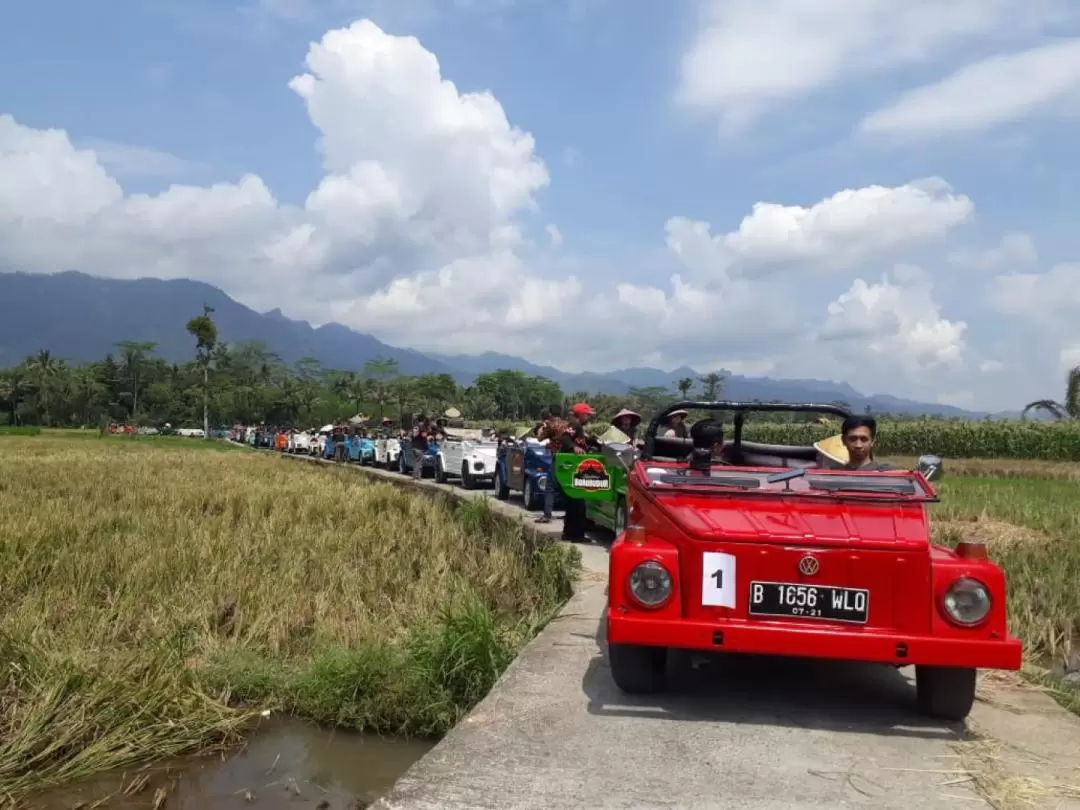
pixel 867 482
pixel 795 481
pixel 716 478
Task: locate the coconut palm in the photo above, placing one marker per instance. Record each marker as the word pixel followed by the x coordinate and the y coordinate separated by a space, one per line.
pixel 1070 408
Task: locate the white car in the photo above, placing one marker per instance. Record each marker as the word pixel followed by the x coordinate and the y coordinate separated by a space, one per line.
pixel 471 460
pixel 386 452
pixel 300 443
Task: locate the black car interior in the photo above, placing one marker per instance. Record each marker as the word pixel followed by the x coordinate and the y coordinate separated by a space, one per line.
pixel 735 450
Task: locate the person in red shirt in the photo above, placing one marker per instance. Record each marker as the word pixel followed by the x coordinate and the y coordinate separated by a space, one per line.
pixel 567 436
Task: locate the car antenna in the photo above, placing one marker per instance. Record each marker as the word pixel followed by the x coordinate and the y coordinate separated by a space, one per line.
pixel 786 476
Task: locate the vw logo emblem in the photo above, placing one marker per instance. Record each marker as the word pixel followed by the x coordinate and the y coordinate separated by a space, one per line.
pixel 808 566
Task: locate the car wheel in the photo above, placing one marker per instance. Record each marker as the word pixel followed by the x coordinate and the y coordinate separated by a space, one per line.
pixel 947 693
pixel 529 494
pixel 440 472
pixel 638 670
pixel 620 517
pixel 467 481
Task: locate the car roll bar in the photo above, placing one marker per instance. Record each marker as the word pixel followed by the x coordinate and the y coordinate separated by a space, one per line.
pixel 739 410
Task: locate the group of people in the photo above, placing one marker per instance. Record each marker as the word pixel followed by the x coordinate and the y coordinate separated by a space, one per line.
pixel 858 435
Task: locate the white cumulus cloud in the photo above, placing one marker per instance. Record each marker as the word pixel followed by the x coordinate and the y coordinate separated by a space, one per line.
pixel 749 56
pixel 994 91
pixel 419 233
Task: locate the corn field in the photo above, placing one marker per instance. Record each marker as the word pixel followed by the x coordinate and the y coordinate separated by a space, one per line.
pixel 987 439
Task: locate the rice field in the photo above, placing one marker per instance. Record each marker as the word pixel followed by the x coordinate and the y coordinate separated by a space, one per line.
pixel 156 596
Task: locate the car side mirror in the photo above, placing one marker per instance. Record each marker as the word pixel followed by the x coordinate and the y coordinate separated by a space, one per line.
pixel 932 467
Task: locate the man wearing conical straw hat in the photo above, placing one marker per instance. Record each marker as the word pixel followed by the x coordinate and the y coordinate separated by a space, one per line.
pixel 853 447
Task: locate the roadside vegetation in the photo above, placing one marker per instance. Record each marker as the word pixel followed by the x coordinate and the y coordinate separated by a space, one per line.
pixel 157 596
pixel 1032 528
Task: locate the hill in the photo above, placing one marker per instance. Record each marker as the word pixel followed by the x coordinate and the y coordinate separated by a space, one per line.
pixel 81 318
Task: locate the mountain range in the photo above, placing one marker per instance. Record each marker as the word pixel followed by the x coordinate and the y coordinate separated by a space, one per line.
pixel 81 318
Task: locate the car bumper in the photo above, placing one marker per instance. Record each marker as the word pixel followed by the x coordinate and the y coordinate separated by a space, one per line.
pixel 884 647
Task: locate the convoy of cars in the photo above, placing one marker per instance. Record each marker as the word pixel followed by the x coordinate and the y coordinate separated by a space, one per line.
pixel 761 550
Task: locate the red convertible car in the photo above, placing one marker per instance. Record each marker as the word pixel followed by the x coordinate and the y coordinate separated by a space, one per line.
pixel 765 552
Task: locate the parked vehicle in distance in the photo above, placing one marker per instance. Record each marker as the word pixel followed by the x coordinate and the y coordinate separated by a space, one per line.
pixel 387 450
pixel 405 458
pixel 768 554
pixel 523 466
pixel 361 449
pixel 473 461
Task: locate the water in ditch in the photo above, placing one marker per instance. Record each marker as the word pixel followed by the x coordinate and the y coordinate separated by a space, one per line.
pixel 285 764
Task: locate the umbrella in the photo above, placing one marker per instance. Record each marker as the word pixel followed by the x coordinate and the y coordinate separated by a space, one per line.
pixel 452 413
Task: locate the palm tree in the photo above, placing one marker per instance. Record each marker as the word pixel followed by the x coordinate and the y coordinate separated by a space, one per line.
pixel 14 385
pixel 713 383
pixel 43 368
pixel 134 356
pixel 1070 408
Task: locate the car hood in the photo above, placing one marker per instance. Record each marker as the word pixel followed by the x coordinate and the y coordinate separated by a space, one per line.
pixel 797 520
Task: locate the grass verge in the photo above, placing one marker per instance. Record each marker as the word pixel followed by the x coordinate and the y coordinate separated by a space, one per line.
pixel 1032 528
pixel 154 599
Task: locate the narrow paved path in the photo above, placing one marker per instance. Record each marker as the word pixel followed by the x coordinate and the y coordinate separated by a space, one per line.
pixel 736 732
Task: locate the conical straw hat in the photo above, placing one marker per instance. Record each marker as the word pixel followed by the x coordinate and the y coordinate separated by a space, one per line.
pixel 833 449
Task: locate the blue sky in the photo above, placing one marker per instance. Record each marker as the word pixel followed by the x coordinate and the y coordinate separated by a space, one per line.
pixel 645 117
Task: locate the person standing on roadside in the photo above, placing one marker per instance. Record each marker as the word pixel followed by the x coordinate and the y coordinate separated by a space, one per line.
pixel 337 437
pixel 568 436
pixel 419 445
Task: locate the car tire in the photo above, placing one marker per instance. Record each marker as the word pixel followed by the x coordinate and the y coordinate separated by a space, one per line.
pixel 467 481
pixel 945 693
pixel 440 471
pixel 620 517
pixel 528 495
pixel 637 669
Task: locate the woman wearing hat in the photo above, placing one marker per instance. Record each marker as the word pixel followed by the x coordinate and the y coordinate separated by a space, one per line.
pixel 677 425
pixel 627 421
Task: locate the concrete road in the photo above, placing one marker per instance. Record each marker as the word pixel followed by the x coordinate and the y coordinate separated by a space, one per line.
pixel 735 732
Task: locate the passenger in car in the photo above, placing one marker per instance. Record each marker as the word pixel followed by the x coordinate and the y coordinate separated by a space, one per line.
pixel 708 438
pixel 677 425
pixel 859 434
pixel 627 421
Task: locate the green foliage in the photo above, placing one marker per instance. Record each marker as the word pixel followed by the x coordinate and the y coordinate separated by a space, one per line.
pixel 961 439
pixel 7 430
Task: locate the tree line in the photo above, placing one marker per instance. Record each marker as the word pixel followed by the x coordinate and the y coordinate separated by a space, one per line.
pixel 247 383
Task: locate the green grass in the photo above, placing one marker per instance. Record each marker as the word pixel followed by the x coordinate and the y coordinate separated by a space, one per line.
pixel 156 595
pixel 1032 526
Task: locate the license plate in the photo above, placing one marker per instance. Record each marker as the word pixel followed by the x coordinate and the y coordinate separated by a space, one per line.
pixel 825 602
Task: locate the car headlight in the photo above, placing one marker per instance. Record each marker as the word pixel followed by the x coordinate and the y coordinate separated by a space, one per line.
pixel 650 584
pixel 967 602
pixel 478 466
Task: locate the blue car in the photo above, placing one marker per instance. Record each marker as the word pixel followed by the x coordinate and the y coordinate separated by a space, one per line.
pixel 329 448
pixel 361 450
pixel 524 467
pixel 405 458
